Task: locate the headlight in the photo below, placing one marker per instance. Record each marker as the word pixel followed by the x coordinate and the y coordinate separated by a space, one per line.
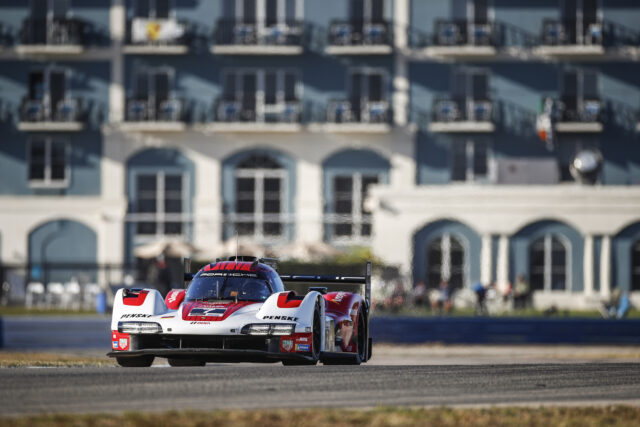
pixel 269 329
pixel 139 328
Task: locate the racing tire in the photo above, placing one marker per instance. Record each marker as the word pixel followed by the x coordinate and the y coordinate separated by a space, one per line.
pixel 362 350
pixel 186 362
pixel 135 362
pixel 317 342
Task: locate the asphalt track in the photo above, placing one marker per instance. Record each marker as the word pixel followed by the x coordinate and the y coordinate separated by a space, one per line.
pixel 82 390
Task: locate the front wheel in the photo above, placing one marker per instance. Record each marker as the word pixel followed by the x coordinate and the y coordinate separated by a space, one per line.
pixel 135 362
pixel 316 340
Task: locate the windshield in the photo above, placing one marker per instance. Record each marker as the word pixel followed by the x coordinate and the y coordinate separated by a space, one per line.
pixel 228 286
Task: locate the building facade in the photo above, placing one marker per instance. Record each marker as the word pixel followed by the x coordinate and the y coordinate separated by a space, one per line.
pixel 407 126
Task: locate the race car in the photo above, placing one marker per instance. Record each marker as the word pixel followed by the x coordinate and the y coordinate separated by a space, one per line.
pixel 238 310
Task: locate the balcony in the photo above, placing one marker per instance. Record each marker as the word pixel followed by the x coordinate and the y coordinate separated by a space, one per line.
pixel 562 39
pixel 156 37
pixel 578 116
pixel 462 116
pixel 342 116
pixel 51 37
pixel 359 38
pixel 39 116
pixel 460 40
pixel 234 117
pixel 233 38
pixel 146 115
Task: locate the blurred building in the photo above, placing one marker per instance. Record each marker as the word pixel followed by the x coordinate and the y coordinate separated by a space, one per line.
pixel 410 126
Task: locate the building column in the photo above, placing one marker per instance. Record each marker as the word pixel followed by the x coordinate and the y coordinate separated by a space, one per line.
pixel 401 75
pixel 503 263
pixel 117 24
pixel 587 265
pixel 485 260
pixel 605 267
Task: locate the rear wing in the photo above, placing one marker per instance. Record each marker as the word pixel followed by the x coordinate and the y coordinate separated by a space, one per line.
pixel 336 282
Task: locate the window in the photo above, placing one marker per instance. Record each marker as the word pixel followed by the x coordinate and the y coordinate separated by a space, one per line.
pixel 260 197
pixel 159 205
pixel 260 95
pixel 274 12
pixel 469 160
pixel 445 262
pixel 349 218
pixel 48 95
pixel 581 21
pixel 367 95
pixel 580 96
pixel 635 266
pixel 153 96
pixel 158 9
pixel 470 91
pixel 48 163
pixel 548 264
pixel 368 11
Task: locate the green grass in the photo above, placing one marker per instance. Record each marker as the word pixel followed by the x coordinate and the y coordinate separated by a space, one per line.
pixel 381 416
pixel 23 311
pixel 10 359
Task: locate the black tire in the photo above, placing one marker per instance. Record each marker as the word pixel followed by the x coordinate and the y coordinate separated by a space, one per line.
pixel 361 343
pixel 135 362
pixel 317 342
pixel 186 362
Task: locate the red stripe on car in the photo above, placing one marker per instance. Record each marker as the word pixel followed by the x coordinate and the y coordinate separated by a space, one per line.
pixel 287 301
pixel 135 298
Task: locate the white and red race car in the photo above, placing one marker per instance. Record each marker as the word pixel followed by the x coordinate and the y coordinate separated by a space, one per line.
pixel 239 311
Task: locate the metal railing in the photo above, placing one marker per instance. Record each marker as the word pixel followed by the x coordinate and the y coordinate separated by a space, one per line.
pixel 232 110
pixel 147 110
pixel 454 110
pixel 230 32
pixel 59 32
pixel 359 33
pixel 66 110
pixel 344 111
pixel 566 32
pixel 571 109
pixel 455 33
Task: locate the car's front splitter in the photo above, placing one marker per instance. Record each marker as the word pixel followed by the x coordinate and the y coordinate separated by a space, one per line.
pixel 214 355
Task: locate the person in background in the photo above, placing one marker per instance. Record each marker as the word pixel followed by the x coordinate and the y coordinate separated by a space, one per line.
pixel 420 294
pixel 481 299
pixel 443 302
pixel 163 282
pixel 398 296
pixel 521 293
pixel 617 306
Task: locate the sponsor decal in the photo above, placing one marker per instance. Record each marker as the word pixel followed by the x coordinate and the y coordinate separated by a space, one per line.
pixel 205 311
pixel 167 317
pixel 252 275
pixel 173 295
pixel 200 323
pixel 124 343
pixel 287 345
pixel 134 316
pixel 292 319
pixel 303 339
pixel 303 347
pixel 339 297
pixel 115 345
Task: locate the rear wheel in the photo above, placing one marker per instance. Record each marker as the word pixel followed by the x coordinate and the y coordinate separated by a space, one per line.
pixel 186 362
pixel 316 340
pixel 135 362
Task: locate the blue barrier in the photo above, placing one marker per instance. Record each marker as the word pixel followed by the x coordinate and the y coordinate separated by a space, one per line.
pixel 487 330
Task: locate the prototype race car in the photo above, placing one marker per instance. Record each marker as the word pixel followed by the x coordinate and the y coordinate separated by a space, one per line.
pixel 239 311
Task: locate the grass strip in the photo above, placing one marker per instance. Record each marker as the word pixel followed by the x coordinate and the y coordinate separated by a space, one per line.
pixel 381 416
pixel 9 359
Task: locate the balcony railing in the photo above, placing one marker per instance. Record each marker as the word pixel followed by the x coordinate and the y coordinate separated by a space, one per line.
pixel 145 110
pixel 66 110
pixel 562 33
pixel 586 110
pixel 233 111
pixel 450 110
pixel 372 112
pixel 55 32
pixel 242 34
pixel 457 33
pixel 359 33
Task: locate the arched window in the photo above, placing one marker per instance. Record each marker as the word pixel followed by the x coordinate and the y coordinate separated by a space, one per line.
pixel 445 261
pixel 635 266
pixel 260 186
pixel 548 264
